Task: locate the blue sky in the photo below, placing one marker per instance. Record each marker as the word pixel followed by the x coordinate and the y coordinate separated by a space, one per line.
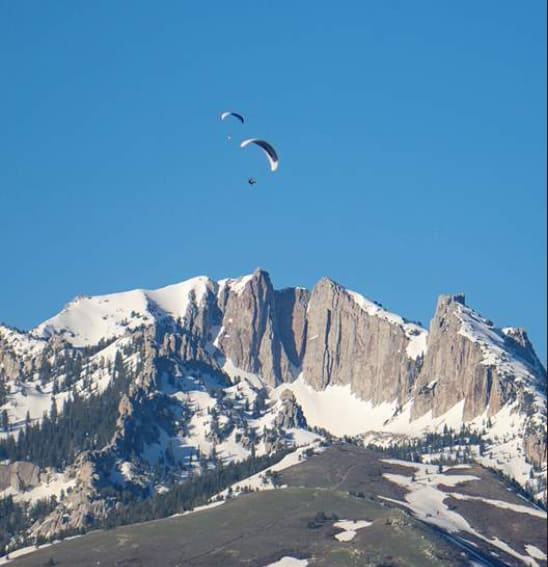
pixel 412 142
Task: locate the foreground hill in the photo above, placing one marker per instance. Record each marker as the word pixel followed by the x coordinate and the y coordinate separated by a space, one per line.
pixel 345 506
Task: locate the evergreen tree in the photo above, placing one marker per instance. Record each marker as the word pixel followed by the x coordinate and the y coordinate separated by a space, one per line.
pixel 5 420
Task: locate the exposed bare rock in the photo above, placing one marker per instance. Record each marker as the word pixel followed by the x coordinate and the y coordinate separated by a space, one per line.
pixel 250 336
pixel 19 475
pixel 518 341
pixel 196 331
pixel 125 411
pixel 10 369
pixel 451 367
pixel 467 359
pixel 291 307
pixel 440 384
pixel 290 414
pixel 20 354
pixel 534 444
pixel 85 470
pixel 348 345
pixel 78 511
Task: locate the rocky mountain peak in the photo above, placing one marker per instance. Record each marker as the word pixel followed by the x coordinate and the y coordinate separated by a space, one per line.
pixel 521 345
pixel 459 298
pixel 448 302
pixel 231 365
pixel 327 284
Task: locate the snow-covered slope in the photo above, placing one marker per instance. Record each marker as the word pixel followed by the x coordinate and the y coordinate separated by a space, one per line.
pixel 21 344
pixel 88 320
pixel 496 353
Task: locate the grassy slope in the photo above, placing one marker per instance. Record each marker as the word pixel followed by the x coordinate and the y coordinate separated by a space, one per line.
pixel 360 470
pixel 257 529
pixel 260 528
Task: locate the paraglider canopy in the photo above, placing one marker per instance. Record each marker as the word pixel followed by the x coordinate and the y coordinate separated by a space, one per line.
pixel 269 151
pixel 234 114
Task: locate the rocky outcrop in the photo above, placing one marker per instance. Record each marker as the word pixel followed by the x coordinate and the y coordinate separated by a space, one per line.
pixel 20 354
pixel 291 312
pixel 79 510
pixel 291 414
pixel 196 332
pixel 250 335
pixel 468 360
pixel 10 369
pixel 519 344
pixel 534 444
pixel 348 345
pixel 19 476
pixel 452 369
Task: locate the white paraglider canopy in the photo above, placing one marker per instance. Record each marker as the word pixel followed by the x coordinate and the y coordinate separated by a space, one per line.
pixel 234 114
pixel 269 151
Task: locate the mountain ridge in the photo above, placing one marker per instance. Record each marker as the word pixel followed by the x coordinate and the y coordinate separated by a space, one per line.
pixel 204 371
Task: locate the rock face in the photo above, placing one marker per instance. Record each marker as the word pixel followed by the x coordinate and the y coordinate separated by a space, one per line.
pixel 346 344
pixel 291 414
pixel 291 312
pixel 468 360
pixel 518 343
pixel 534 444
pixel 251 335
pixel 452 369
pixel 20 476
pixel 195 332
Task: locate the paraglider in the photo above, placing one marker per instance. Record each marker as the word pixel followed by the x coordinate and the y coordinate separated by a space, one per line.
pixel 269 151
pixel 239 117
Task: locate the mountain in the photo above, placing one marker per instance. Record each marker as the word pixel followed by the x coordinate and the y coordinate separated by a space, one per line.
pixel 124 396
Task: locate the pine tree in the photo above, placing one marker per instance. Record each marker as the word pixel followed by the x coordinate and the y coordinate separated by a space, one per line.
pixel 3 393
pixel 53 410
pixel 5 420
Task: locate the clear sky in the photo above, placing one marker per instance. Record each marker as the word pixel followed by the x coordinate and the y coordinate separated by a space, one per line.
pixel 412 142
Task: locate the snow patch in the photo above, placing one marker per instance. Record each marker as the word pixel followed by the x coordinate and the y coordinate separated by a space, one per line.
pixel 288 561
pixel 502 504
pixel 199 509
pixel 349 528
pixel 233 371
pixel 260 481
pixel 359 417
pixel 236 285
pixel 417 344
pixel 354 416
pixel 535 552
